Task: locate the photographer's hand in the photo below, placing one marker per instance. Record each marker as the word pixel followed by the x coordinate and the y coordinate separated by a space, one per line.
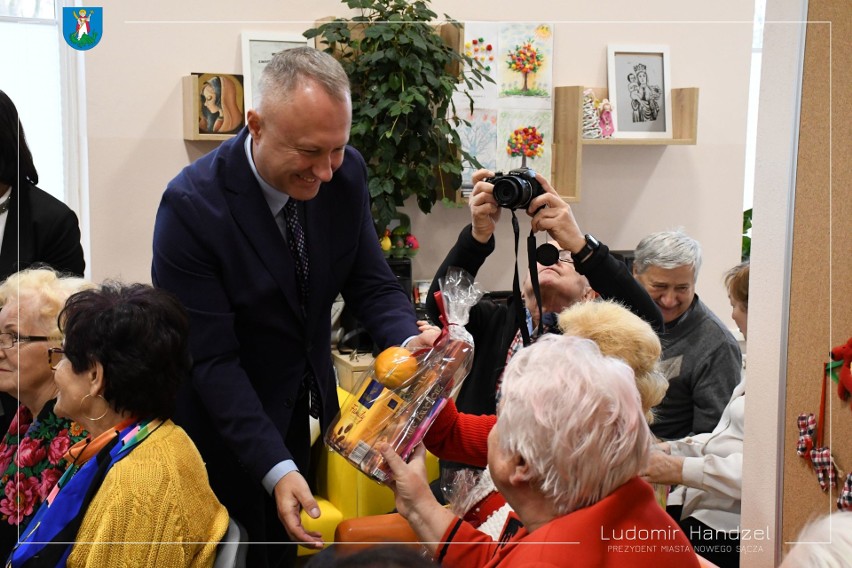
pixel 484 211
pixel 550 213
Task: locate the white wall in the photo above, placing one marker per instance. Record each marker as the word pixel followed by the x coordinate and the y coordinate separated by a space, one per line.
pixel 775 175
pixel 136 145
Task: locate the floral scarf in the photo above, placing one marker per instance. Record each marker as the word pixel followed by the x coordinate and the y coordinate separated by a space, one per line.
pixel 31 460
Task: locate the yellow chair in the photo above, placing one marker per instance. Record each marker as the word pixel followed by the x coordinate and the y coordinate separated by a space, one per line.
pixel 344 492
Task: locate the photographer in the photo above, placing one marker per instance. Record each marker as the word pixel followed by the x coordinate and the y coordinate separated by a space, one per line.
pixel 588 270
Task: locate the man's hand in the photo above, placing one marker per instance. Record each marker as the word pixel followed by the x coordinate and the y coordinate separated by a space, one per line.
pixel 663 468
pixel 292 494
pixel 428 334
pixel 550 213
pixel 484 211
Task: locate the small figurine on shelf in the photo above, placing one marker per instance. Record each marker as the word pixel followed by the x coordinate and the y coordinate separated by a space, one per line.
pixel 398 235
pixel 606 124
pixel 399 242
pixel 591 126
pixel 385 243
pixel 411 246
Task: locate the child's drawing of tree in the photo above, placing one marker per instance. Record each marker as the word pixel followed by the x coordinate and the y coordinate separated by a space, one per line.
pixel 525 59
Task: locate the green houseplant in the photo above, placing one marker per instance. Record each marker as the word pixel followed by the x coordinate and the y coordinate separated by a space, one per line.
pixel 746 253
pixel 403 76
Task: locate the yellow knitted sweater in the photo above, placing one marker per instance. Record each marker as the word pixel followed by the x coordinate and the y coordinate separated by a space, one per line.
pixel 155 508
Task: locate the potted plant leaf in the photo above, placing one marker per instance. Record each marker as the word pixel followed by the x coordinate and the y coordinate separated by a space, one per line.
pixel 403 76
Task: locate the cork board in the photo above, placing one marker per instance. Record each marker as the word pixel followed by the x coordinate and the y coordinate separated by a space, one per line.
pixel 821 279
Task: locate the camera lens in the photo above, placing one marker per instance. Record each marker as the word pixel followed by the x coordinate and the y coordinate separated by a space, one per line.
pixel 512 192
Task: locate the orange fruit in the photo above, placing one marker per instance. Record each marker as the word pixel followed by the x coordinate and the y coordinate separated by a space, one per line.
pixel 395 366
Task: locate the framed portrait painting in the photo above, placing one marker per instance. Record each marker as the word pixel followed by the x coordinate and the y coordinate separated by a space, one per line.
pixel 213 106
pixel 640 91
pixel 257 50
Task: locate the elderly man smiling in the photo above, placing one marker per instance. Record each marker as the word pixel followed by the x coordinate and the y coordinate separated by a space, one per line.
pixel 701 358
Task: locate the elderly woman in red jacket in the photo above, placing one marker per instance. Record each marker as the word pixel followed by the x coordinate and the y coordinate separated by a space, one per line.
pixel 566 453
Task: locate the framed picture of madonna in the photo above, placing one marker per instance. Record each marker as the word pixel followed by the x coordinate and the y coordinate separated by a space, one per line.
pixel 639 90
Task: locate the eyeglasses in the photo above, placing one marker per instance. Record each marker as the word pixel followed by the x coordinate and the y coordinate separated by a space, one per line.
pixel 8 340
pixel 55 355
pixel 565 256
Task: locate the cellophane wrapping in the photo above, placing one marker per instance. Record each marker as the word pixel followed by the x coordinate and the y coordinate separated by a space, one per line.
pixel 401 414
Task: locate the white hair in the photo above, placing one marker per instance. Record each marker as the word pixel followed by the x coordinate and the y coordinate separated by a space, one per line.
pixel 49 288
pixel 825 542
pixel 667 249
pixel 575 417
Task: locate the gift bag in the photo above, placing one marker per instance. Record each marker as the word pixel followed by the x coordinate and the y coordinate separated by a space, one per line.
pixel 399 397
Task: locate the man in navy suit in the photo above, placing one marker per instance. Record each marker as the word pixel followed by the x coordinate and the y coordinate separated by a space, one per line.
pixel 260 337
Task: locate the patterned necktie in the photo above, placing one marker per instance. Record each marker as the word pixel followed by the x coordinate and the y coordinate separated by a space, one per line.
pixel 296 242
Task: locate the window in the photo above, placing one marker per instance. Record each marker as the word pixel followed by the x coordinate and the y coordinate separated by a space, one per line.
pixel 29 9
pixel 753 98
pixel 47 89
pixel 33 83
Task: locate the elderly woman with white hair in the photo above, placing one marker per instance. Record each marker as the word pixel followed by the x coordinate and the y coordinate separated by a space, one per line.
pixel 566 452
pixel 32 452
pixel 462 437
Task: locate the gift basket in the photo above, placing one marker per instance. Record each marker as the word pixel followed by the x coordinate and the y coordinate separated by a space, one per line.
pixel 400 395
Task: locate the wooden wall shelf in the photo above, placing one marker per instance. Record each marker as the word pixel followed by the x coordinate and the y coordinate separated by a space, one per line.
pixel 568 141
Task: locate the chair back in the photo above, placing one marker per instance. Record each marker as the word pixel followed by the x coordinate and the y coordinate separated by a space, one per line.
pixel 232 549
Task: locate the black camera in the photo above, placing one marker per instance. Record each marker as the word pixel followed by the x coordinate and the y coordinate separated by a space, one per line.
pixel 516 189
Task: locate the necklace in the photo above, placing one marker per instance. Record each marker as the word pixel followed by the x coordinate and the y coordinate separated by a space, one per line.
pixel 4 205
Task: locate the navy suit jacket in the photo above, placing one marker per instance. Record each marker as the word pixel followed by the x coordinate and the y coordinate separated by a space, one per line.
pixel 217 246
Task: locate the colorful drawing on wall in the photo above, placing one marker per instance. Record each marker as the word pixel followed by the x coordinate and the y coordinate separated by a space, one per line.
pixel 480 43
pixel 480 50
pixel 526 52
pixel 525 142
pixel 525 137
pixel 525 59
pixel 480 140
pixel 519 100
pixel 213 106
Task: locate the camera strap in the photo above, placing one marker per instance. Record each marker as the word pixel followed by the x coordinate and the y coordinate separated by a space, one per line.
pixel 520 314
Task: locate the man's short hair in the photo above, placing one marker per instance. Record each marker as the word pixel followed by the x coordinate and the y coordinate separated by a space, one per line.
pixel 668 250
pixel 291 68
